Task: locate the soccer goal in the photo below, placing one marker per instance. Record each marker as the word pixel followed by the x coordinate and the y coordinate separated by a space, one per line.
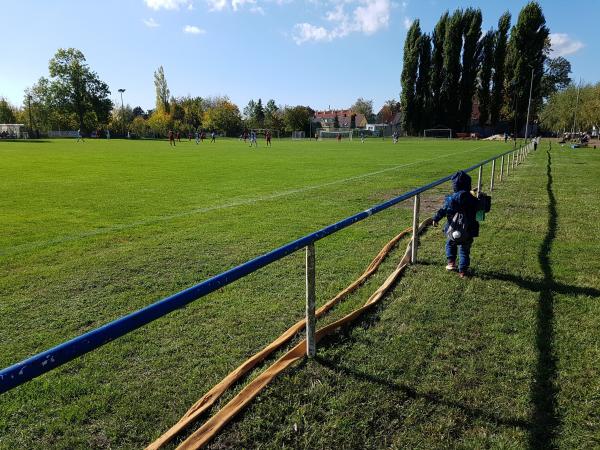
pixel 323 134
pixel 439 133
pixel 297 135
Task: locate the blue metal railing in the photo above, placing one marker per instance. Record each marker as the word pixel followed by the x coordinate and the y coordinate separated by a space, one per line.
pixel 36 365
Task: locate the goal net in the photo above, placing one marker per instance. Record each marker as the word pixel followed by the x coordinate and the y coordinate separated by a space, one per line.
pixel 335 135
pixel 440 133
pixel 297 135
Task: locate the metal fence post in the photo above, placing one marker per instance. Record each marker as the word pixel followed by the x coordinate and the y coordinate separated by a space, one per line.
pixel 479 175
pixel 414 244
pixel 508 165
pixel 311 321
pixel 501 167
pixel 492 178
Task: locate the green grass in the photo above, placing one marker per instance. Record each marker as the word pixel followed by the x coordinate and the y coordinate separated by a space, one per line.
pixel 96 230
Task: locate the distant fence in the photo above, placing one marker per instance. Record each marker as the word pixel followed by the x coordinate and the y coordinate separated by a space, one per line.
pixel 36 365
pixel 62 134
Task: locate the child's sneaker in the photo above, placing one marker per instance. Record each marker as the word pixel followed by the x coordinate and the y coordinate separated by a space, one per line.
pixel 451 266
pixel 464 273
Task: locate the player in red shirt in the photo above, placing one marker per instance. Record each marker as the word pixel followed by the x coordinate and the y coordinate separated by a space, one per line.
pixel 268 136
pixel 171 138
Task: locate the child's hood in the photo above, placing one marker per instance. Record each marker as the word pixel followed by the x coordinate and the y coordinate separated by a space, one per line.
pixel 461 181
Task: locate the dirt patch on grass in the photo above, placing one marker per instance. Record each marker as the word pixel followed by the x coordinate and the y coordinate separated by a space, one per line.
pixel 430 201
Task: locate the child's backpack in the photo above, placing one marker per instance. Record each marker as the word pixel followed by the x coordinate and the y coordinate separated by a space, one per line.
pixel 457 229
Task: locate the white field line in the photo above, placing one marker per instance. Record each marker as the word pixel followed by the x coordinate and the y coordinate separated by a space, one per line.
pixel 45 243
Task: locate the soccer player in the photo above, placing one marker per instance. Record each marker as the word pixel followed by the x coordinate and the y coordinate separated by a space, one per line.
pixel 253 139
pixel 268 136
pixel 213 136
pixel 171 138
pixel 339 138
pixel 80 136
pixel 108 134
pixel 197 137
pixel 178 136
pixel 362 137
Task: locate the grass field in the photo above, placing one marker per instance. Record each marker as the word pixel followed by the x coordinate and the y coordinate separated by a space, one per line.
pixel 93 231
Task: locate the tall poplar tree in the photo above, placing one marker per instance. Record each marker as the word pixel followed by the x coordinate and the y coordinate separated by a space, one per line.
pixel 470 58
pixel 485 77
pixel 408 78
pixel 525 57
pixel 451 68
pixel 437 69
pixel 423 97
pixel 500 44
pixel 162 90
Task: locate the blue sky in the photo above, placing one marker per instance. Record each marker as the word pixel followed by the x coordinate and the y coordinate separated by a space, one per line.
pixel 313 52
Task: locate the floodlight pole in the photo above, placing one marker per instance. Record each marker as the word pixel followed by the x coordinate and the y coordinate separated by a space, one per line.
pixel 529 107
pixel 29 108
pixel 122 112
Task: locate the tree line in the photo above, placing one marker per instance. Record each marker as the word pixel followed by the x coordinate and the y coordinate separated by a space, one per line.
pixel 74 97
pixel 446 70
pixel 574 109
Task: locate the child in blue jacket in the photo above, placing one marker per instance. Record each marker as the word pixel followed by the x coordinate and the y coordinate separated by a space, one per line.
pixel 464 202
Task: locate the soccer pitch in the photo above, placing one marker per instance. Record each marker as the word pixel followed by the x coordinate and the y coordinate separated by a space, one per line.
pixel 94 230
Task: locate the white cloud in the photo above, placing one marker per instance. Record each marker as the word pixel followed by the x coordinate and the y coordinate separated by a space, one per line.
pixel 562 44
pixel 167 4
pixel 217 5
pixel 236 5
pixel 366 16
pixel 407 22
pixel 257 10
pixel 151 23
pixel 304 32
pixel 191 29
pixel 372 16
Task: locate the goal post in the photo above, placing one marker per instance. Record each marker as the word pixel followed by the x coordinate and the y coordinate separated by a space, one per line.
pixel 324 134
pixel 438 133
pixel 298 135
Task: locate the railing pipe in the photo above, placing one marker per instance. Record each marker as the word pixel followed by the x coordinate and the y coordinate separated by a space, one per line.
pixel 492 177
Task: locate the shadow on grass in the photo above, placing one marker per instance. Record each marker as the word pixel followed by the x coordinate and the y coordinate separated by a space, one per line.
pixel 434 398
pixel 546 419
pixel 26 141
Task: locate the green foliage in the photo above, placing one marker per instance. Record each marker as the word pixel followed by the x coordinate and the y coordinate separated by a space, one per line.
pixel 75 89
pixel 259 114
pixel 437 69
pixel 7 111
pixel 556 75
pixel 160 123
pixel 500 45
pixel 408 79
pixel 274 119
pixel 296 118
pixel 485 77
pixel 423 97
pixel 364 107
pixel 525 58
pixel 563 112
pixel 162 90
pixel 222 115
pixel 452 68
pixel 470 62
